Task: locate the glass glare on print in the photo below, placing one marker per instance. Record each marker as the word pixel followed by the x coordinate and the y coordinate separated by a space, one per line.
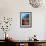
pixel 25 19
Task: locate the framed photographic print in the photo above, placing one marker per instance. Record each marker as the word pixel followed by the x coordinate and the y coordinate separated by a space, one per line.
pixel 26 19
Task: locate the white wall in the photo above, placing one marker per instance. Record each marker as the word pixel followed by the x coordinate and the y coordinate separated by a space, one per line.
pixel 12 8
pixel 39 22
pixel 45 27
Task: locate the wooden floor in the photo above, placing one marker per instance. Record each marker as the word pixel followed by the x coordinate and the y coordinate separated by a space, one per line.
pixel 3 43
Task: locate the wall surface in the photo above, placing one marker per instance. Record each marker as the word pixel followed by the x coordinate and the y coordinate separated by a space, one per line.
pixel 12 8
